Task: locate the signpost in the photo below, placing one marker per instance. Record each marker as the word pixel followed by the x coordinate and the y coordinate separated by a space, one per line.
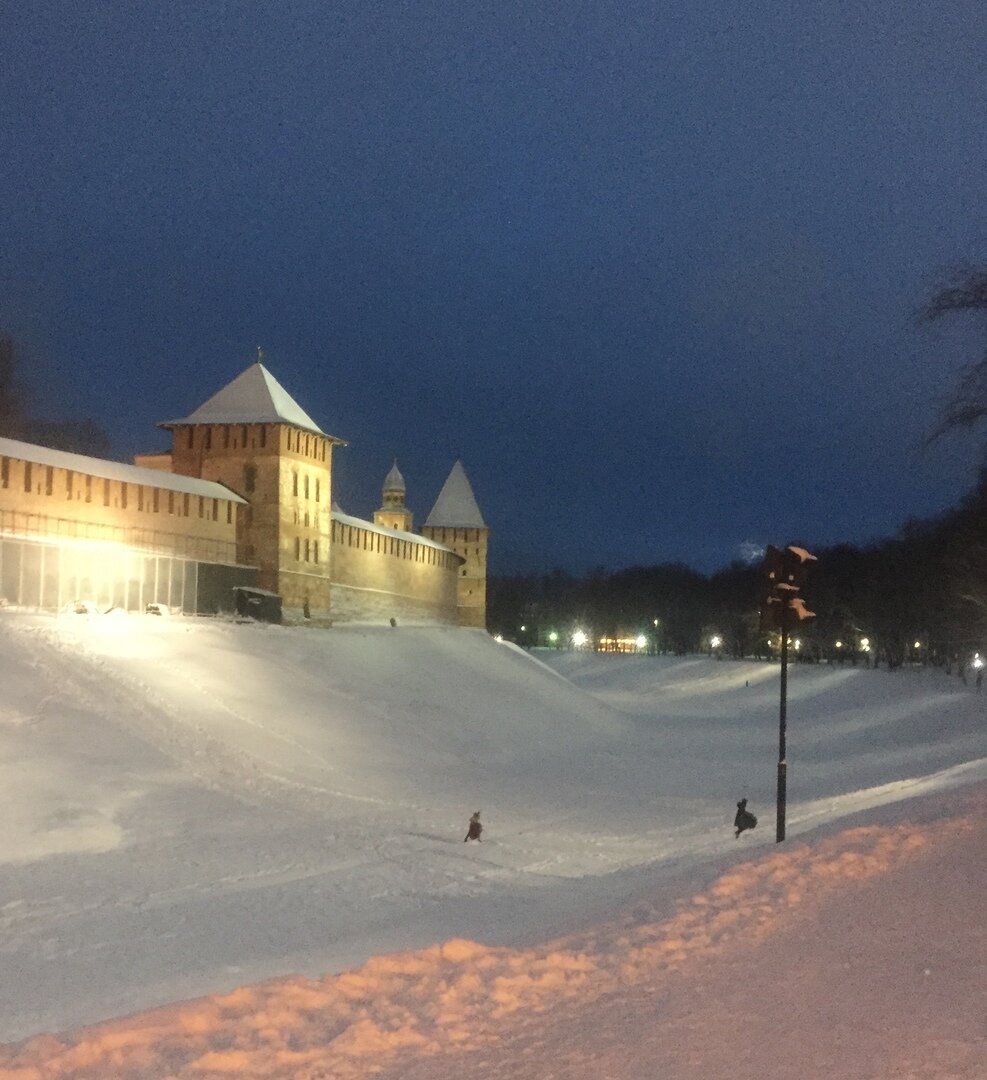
pixel 783 573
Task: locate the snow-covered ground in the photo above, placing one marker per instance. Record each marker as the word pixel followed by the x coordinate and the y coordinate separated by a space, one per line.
pixel 192 806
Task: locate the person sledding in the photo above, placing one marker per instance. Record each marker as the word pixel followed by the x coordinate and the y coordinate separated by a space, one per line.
pixel 475 828
pixel 744 819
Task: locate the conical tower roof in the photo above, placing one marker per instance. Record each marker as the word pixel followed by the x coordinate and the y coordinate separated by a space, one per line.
pixel 456 508
pixel 253 397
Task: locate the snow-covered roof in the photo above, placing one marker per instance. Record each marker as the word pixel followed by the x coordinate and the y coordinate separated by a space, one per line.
pixel 394 481
pixel 456 505
pixel 253 397
pixel 116 470
pixel 399 534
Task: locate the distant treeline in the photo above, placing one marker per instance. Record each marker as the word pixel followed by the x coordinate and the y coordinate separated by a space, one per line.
pixel 919 596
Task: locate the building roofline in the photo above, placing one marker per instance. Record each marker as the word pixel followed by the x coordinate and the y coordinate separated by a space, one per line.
pixel 116 470
pixel 399 534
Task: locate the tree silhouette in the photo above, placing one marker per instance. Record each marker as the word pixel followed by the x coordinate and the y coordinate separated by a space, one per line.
pixel 966 292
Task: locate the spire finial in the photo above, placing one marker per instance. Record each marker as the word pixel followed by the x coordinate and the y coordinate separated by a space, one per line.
pixel 260 355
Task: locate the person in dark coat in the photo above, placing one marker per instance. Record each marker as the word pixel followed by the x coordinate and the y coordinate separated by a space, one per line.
pixel 475 828
pixel 744 819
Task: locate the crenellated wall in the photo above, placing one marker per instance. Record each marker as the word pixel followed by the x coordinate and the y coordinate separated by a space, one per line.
pixel 380 573
pixel 79 528
pixel 137 507
pixel 244 495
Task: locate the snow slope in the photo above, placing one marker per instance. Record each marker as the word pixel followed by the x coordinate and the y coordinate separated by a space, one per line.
pixel 191 805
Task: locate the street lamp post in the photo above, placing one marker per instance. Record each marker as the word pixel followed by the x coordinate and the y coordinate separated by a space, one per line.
pixel 783 573
pixel 782 799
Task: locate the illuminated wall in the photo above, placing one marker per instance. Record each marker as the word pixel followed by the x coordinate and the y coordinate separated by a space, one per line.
pixel 471 577
pixel 381 573
pixel 67 534
pixel 285 476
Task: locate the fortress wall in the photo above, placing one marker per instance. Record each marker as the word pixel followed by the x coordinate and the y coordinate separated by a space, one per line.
pixel 44 502
pixel 69 535
pixel 379 574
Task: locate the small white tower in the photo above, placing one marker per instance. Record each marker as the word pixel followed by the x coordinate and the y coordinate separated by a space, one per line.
pixel 393 514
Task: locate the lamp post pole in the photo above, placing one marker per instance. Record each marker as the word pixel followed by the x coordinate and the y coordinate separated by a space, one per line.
pixel 782 575
pixel 782 724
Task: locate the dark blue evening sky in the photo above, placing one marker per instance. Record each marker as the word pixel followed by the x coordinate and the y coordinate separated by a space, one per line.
pixel 648 269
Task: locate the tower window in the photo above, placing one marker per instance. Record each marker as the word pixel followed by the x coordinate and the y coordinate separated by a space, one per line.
pixel 208 438
pixel 5 474
pixel 249 478
pixel 185 504
pixel 294 482
pixel 27 476
pixel 106 493
pixel 171 502
pixel 263 434
pixel 123 495
pixel 306 485
pixel 49 479
pixel 89 489
pixel 155 500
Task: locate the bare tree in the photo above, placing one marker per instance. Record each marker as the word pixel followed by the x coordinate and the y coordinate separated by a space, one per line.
pixel 966 292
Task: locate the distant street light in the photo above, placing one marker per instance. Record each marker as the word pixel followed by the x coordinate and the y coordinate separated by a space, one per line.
pixel 553 637
pixel 715 641
pixel 579 639
pixel 640 641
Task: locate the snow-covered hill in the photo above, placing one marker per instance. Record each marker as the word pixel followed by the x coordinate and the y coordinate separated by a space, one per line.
pixel 193 805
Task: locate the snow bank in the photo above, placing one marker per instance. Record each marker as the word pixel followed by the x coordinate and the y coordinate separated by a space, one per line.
pixel 445 1011
pixel 193 806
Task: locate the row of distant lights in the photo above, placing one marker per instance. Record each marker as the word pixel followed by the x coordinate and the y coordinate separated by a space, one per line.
pixel 580 638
